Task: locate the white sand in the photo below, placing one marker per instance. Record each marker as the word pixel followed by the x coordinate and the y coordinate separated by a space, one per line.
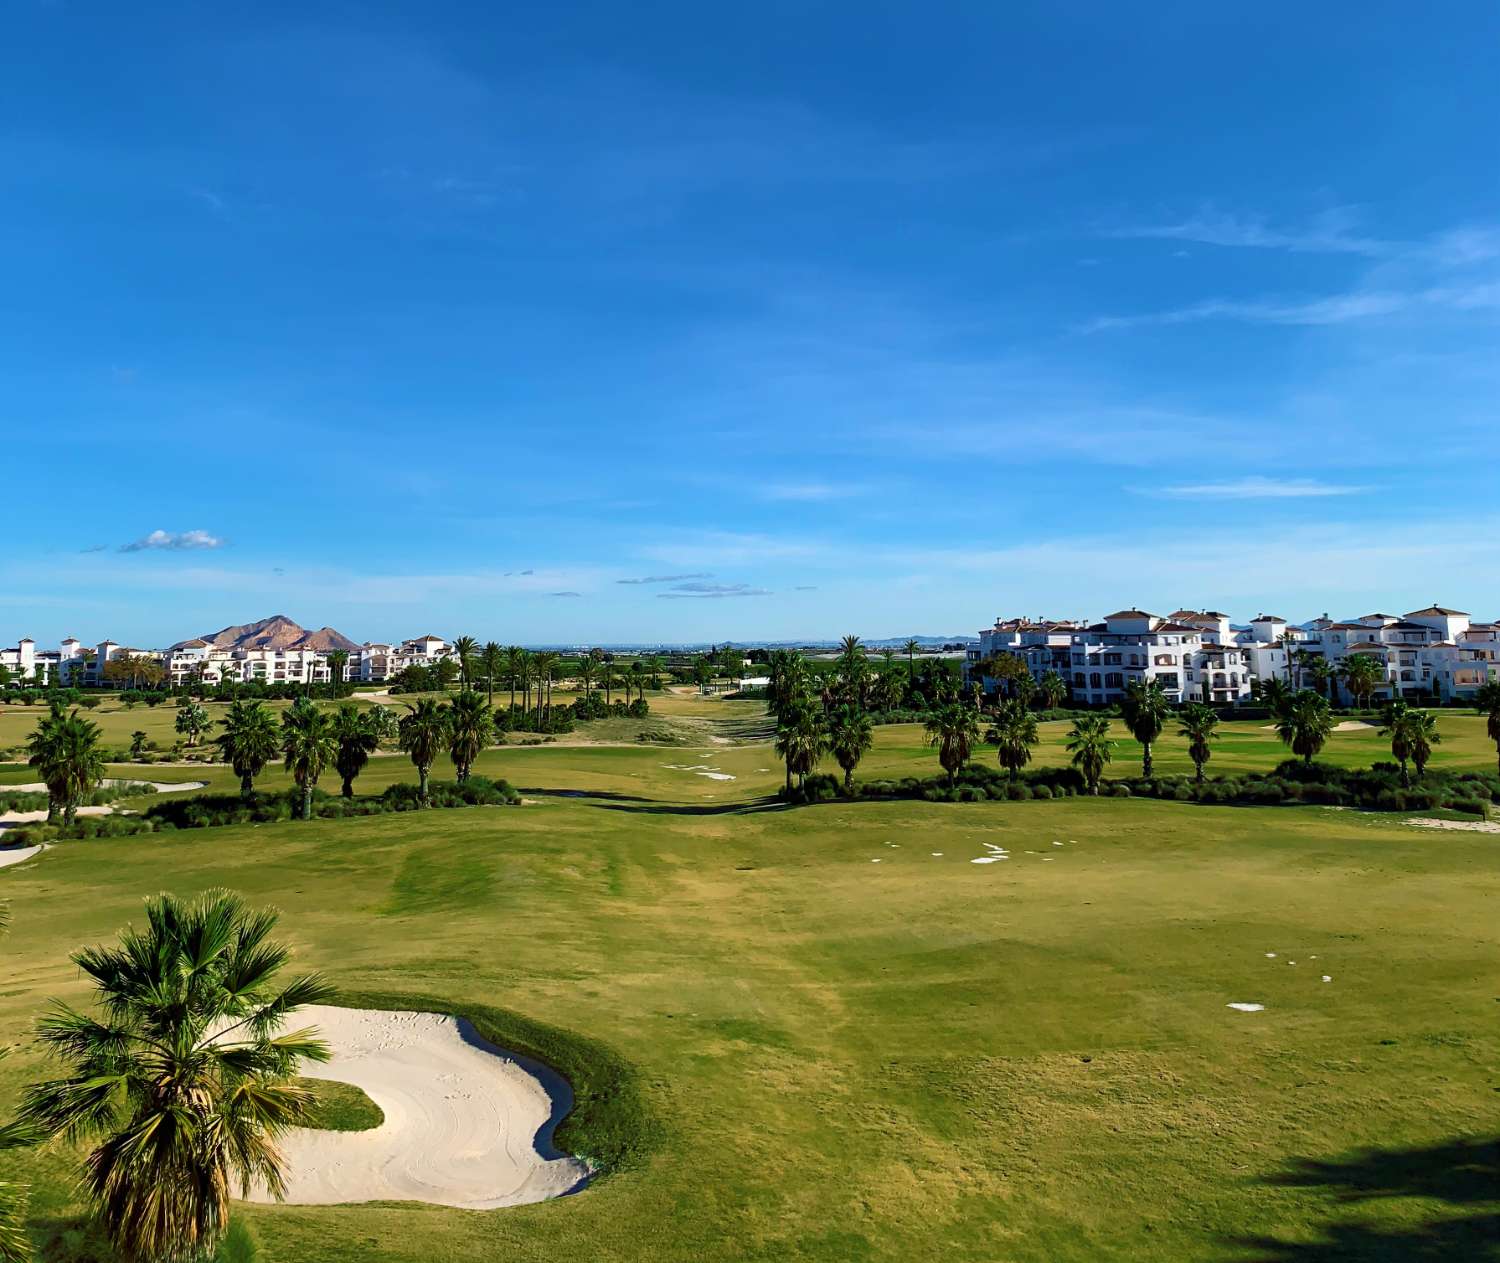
pixel 33 817
pixel 1464 826
pixel 1326 978
pixel 17 855
pixel 1246 1008
pixel 465 1123
pixel 1352 725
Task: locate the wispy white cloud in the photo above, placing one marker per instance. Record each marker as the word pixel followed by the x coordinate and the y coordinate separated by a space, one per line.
pixel 710 591
pixel 1332 232
pixel 1332 310
pixel 173 541
pixel 1253 487
pixel 567 594
pixel 811 491
pixel 667 578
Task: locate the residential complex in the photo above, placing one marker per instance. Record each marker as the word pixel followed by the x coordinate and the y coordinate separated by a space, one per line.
pixel 1199 655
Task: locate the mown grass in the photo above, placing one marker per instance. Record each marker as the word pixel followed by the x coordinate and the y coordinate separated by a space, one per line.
pixel 341 1106
pixel 831 1058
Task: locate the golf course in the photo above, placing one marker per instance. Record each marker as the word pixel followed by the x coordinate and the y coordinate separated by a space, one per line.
pixel 828 1033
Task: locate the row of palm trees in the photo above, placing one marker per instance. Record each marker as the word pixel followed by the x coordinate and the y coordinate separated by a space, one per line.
pixel 533 672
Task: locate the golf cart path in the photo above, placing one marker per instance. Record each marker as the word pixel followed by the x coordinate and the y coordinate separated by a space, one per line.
pixel 466 1124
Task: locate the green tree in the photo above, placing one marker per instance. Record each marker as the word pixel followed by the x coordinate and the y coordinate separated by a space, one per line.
pixel 1199 726
pixel 1014 733
pixel 338 660
pixel 66 753
pixel 423 735
pixel 308 745
pixel 1276 695
pixel 1362 676
pixel 249 742
pixel 191 722
pixel 1007 670
pixel 850 736
pixel 1487 699
pixel 853 667
pixel 465 648
pixel 1306 724
pixel 703 671
pixel 138 745
pixel 656 666
pixel 492 663
pixel 516 661
pixel 587 666
pixel 1054 690
pixel 1090 748
pixel 1145 708
pixel 471 727
pixel 911 649
pixel 1396 724
pixel 546 665
pixel 801 739
pixel 354 731
pixel 183 1083
pixel 1321 674
pixel 954 730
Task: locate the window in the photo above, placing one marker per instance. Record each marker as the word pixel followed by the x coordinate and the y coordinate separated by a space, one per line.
pixel 1169 680
pixel 1094 680
pixel 1078 679
pixel 1112 659
pixel 1114 680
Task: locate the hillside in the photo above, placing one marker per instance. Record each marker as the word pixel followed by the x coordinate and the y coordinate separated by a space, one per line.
pixel 276 632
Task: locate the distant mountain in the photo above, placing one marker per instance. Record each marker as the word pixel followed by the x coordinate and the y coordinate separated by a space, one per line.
pixel 896 642
pixel 276 632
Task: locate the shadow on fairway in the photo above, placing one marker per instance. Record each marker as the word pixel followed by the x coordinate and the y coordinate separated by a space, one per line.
pixel 609 800
pixel 608 795
pixel 1460 1173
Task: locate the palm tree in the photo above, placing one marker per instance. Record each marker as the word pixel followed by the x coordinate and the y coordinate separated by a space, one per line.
pixel 354 731
pixel 1286 642
pixel 911 648
pixel 1198 726
pixel 1054 690
pixel 1362 676
pixel 338 659
pixel 464 649
pixel 1487 699
pixel 545 664
pixel 801 739
pixel 138 745
pixel 249 742
pixel 954 730
pixel 515 668
pixel 183 1081
pixel 1091 748
pixel 15 1243
pixel 1306 724
pixel 1322 674
pixel 1413 733
pixel 1145 708
pixel 636 676
pixel 308 745
pixel 850 736
pixel 492 662
pixel 703 672
pixel 656 666
pixel 191 721
pixel 471 727
pixel 1015 732
pixel 587 665
pixel 423 733
pixel 854 670
pixel 1276 695
pixel 66 753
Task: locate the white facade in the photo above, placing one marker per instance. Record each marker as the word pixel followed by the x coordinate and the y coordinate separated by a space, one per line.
pixel 375 662
pixel 198 660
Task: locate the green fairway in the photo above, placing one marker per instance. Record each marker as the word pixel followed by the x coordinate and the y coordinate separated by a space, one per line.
pixel 855 1048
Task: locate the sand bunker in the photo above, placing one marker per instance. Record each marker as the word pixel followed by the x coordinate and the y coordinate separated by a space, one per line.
pixel 17 854
pixel 466 1124
pixel 1463 826
pixel 1241 1007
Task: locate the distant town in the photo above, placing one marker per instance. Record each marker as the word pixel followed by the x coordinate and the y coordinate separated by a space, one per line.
pixel 1192 655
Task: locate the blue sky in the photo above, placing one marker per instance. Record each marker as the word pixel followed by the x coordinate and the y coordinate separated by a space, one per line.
pixel 604 322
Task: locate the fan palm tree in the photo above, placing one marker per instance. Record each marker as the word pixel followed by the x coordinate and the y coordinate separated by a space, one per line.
pixel 954 730
pixel 464 649
pixel 515 667
pixel 249 742
pixel 1015 732
pixel 656 666
pixel 853 670
pixel 1396 724
pixel 911 648
pixel 191 722
pixel 423 734
pixel 1487 699
pixel 850 736
pixel 1054 690
pixel 491 662
pixel 1090 747
pixel 15 1243
pixel 636 676
pixel 183 1082
pixel 308 745
pixel 1145 708
pixel 1362 676
pixel 338 660
pixel 471 727
pixel 66 753
pixel 1306 724
pixel 1199 725
pixel 802 739
pixel 354 731
pixel 587 665
pixel 1276 695
pixel 1321 674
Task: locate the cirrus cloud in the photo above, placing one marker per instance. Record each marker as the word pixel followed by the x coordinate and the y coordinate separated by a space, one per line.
pixel 173 541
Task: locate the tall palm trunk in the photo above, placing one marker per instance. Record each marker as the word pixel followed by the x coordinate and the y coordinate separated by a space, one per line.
pixel 247 785
pixel 348 790
pixel 1146 759
pixel 422 786
pixel 307 801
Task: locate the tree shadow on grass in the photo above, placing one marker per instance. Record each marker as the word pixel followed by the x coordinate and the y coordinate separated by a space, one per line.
pixel 611 800
pixel 607 795
pixel 1457 1173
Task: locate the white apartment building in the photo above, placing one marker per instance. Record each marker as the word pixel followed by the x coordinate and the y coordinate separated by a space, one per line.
pixel 1433 650
pixel 195 660
pixel 1190 654
pixel 70 663
pixel 376 662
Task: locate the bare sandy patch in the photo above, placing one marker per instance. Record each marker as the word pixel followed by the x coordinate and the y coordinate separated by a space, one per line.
pixel 1462 826
pixel 466 1124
